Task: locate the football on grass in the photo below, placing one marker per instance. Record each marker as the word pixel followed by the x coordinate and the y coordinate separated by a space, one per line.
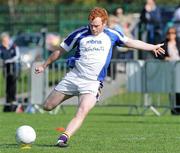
pixel 25 134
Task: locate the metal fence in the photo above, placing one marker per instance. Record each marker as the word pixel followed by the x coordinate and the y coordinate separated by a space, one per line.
pixel 59 18
pixel 139 85
pixel 22 82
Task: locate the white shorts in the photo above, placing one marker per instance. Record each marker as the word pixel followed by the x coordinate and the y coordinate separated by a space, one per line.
pixel 74 85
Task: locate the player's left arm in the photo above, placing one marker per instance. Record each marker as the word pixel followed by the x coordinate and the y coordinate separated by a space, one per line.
pixel 138 44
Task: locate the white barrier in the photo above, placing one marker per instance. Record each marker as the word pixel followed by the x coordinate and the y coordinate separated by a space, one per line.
pixel 135 80
pixel 39 85
pixel 153 76
pixel 158 76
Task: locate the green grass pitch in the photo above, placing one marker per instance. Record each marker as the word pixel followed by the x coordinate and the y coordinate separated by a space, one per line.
pixel 105 130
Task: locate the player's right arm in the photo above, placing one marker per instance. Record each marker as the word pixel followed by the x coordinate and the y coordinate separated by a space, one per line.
pixel 65 46
pixel 53 57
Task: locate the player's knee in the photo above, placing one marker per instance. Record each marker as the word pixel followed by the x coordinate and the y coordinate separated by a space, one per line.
pixel 47 107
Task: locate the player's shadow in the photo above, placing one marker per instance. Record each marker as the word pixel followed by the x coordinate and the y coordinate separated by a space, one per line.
pixel 14 145
pixel 11 145
pixel 114 114
pixel 44 145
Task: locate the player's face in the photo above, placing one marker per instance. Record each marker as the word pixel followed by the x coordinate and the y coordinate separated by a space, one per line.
pixel 96 26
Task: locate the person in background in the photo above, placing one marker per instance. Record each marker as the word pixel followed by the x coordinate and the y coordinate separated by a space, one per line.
pixel 171 45
pixel 176 20
pixel 151 20
pixel 172 53
pixel 93 43
pixel 10 56
pixel 176 16
pixel 113 23
pixel 127 21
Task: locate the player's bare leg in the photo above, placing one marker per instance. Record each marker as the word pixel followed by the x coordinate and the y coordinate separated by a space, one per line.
pixel 87 102
pixel 54 99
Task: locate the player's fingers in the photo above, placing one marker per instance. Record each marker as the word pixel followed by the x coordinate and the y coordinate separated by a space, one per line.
pixel 155 53
pixel 161 50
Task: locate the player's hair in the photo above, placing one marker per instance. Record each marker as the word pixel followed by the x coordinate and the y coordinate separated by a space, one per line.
pixel 98 12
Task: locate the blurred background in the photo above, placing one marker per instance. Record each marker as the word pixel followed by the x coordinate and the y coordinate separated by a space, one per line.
pixel 57 18
pixel 38 25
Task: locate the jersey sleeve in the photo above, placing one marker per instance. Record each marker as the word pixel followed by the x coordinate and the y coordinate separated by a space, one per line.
pixel 65 46
pixel 70 41
pixel 117 37
pixel 121 38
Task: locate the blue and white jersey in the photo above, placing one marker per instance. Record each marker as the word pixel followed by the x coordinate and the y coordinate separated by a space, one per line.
pixel 93 53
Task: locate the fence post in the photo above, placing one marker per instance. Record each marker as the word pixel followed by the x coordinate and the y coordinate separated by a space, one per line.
pixel 39 86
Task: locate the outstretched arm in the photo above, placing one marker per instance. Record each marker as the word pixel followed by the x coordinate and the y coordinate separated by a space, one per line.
pixel 53 57
pixel 138 44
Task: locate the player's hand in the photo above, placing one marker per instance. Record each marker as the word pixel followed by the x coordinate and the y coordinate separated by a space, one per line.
pixel 158 50
pixel 39 69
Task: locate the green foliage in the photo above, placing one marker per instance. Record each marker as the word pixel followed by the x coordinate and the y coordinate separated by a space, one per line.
pixel 58 17
pixel 167 2
pixel 86 2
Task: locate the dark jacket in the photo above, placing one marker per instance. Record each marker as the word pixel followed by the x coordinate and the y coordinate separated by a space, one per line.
pixel 5 54
pixel 153 17
pixel 165 47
